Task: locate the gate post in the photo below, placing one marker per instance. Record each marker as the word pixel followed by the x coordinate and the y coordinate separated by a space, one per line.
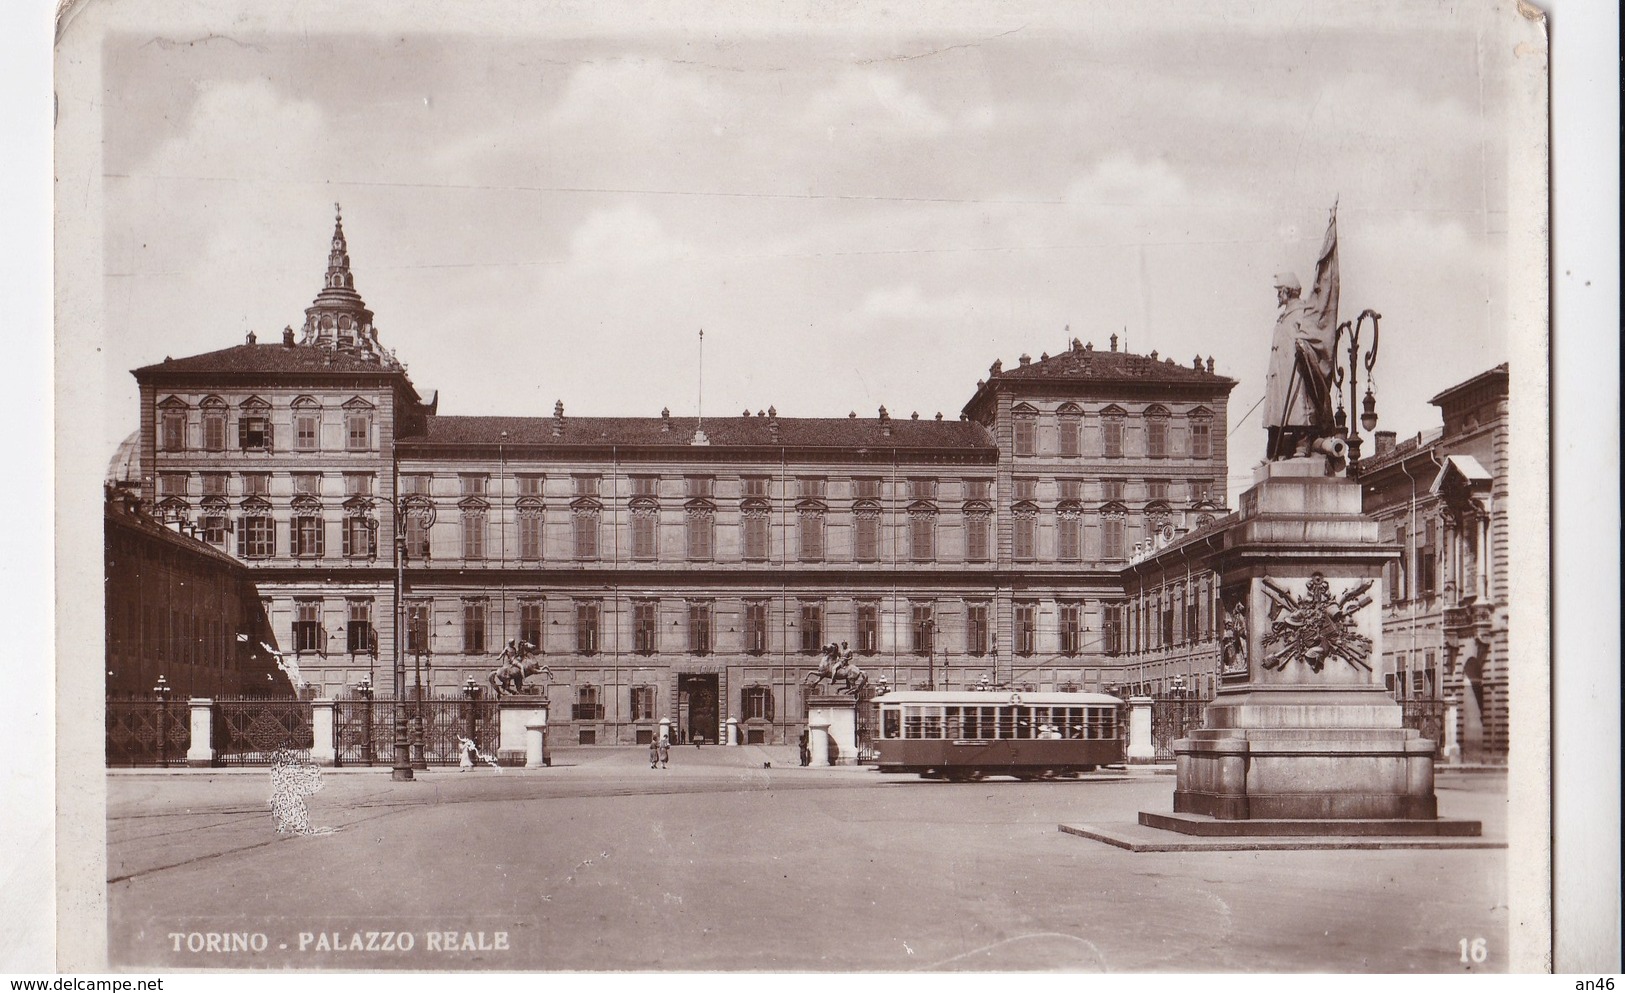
pixel 818 741
pixel 1141 749
pixel 200 753
pixel 322 739
pixel 1450 748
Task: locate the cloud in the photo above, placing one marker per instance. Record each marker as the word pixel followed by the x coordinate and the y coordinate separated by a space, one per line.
pixel 872 100
pixel 626 236
pixel 1123 179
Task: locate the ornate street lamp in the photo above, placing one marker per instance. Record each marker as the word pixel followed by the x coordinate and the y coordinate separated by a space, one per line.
pixel 162 692
pixel 422 510
pixel 1348 375
pixel 364 690
pixel 471 692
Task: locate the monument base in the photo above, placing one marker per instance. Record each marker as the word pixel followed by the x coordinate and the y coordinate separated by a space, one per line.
pixel 1203 826
pixel 1322 755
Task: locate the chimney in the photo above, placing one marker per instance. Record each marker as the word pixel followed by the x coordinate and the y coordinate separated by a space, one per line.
pixel 1385 442
pixel 1114 341
pixel 885 421
pixel 1196 363
pixel 773 422
pixel 1043 356
pixel 287 336
pixel 248 339
pixel 914 416
pixel 996 368
pixel 1153 355
pixel 558 418
pixel 1210 363
pixel 939 415
pixel 1025 360
pixel 665 419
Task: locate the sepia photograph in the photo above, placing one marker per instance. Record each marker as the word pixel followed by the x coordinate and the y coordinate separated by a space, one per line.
pixel 829 488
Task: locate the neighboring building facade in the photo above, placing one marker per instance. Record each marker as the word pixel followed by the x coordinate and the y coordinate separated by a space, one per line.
pixel 1442 497
pixel 666 568
pixel 180 608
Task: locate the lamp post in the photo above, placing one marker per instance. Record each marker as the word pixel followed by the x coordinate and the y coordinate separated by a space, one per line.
pixel 471 692
pixel 162 692
pixel 1349 371
pixel 402 770
pixel 364 690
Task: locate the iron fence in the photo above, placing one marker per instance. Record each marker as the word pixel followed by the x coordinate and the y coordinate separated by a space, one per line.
pixel 364 730
pixel 148 732
pixel 1173 718
pixel 249 731
pixel 1427 716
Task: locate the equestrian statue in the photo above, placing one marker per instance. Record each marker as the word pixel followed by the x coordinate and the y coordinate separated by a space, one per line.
pixel 514 664
pixel 838 668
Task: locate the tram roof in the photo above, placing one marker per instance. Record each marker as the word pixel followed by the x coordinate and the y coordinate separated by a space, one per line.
pixel 998 698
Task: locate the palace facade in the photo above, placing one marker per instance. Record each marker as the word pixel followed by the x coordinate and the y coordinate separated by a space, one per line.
pixel 669 568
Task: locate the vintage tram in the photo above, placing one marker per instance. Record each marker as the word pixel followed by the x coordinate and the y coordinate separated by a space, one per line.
pixel 966 735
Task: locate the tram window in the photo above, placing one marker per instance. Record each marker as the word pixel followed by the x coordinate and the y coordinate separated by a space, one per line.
pixel 932 727
pixel 912 723
pixel 891 723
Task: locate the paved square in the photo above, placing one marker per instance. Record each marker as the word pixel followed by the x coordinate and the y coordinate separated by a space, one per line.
pixel 718 863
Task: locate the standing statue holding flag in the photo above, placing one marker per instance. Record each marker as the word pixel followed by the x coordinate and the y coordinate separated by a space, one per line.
pixel 1298 388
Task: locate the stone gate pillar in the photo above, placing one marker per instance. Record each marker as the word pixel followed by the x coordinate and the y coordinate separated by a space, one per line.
pixel 838 717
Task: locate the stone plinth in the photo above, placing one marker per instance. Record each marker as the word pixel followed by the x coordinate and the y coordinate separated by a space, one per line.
pixel 1302 738
pixel 516 715
pixel 837 716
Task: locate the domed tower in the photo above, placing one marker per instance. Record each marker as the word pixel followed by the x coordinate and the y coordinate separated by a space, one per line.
pixel 338 318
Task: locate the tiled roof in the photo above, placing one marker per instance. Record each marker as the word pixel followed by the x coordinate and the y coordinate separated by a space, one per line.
pixel 119 512
pixel 1089 364
pixel 270 359
pixel 678 432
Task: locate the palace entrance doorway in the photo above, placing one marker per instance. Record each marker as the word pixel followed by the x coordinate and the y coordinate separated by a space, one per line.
pixel 697 700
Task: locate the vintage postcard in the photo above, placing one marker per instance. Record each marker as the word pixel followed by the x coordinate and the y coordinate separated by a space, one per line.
pixel 828 487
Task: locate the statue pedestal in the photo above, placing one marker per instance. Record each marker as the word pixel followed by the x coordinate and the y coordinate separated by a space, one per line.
pixel 835 719
pixel 516 717
pixel 1302 737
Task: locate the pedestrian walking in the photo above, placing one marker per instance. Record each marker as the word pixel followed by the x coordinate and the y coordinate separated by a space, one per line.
pixel 654 753
pixel 805 744
pixel 665 751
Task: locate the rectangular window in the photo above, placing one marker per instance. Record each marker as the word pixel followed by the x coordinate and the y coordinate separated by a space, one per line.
pixel 1111 489
pixel 756 703
pixel 172 484
pixel 358 538
pixel 647 486
pixel 810 487
pixel 1071 629
pixel 976 629
pixel 868 628
pixel 699 628
pixel 1026 536
pixel 307 536
pixel 755 486
pixel 866 488
pixel 173 438
pixel 417 484
pixel 585 527
pixel 977 528
pixel 922 537
pixel 587 627
pixel 307 432
pixel 643 703
pixel 755 627
pixel 1111 538
pixel 1071 435
pixel 867 536
pixel 1156 438
pixel 530 534
pixel 473 534
pixel 257 538
pixel 812 628
pixel 357 431
pixel 1026 628
pixel 755 525
pixel 253 431
pixel 214 484
pixel 1201 441
pixel 699 487
pixel 530 485
pixel 922 489
pixel 923 627
pixel 1427 561
pixel 1156 489
pixel 1025 489
pixel 1071 490
pixel 700 532
pixel 1201 489
pixel 358 484
pixel 417 627
pixel 1402 578
pixel 474 627
pixel 214 529
pixel 214 430
pixel 1112 632
pixel 1112 430
pixel 473 485
pixel 530 623
pixel 1026 433
pixel 644 521
pixel 1069 534
pixel 586 486
pixel 810 530
pixel 978 489
pixel 417 538
pixel 307 626
pixel 307 484
pixel 358 637
pixel 645 623
pixel 587 707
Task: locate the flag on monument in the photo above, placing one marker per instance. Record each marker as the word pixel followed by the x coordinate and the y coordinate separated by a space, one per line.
pixel 1323 297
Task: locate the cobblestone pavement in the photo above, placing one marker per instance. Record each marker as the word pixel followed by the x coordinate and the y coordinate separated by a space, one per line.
pixel 722 863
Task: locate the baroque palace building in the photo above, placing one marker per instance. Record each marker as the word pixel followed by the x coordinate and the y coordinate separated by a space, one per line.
pixel 669 568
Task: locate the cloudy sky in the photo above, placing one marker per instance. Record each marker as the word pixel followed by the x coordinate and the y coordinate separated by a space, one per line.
pixel 856 216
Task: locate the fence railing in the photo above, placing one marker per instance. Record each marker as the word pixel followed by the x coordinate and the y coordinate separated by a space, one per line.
pixel 1173 718
pixel 148 732
pixel 248 732
pixel 1427 717
pixel 364 730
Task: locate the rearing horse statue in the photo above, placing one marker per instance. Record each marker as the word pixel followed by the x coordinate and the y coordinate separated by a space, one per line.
pixel 837 667
pixel 514 665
